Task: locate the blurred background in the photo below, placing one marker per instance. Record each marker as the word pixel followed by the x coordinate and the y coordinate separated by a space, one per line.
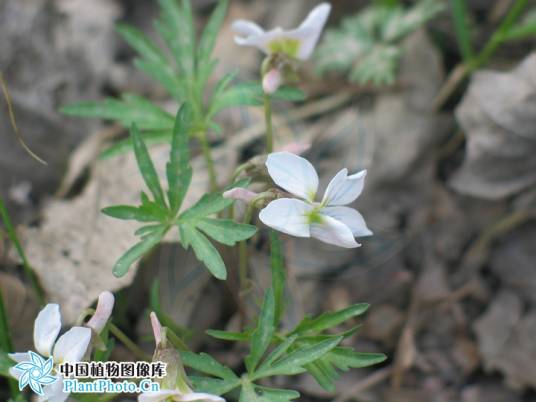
pixel 450 272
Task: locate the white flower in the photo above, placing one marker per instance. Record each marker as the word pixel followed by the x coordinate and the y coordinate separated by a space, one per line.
pixel 329 220
pixel 176 395
pixel 297 43
pixel 70 347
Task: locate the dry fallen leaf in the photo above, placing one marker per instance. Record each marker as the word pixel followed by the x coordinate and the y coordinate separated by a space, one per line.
pixel 497 116
pixel 506 340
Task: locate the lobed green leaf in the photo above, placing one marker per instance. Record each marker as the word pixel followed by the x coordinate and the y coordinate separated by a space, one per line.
pixel 262 336
pixel 226 231
pixel 203 249
pixel 146 167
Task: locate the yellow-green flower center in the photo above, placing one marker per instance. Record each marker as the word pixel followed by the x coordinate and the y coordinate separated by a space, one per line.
pixel 287 46
pixel 314 216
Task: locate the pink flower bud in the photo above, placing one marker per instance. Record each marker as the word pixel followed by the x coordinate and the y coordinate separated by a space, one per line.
pixel 103 312
pixel 296 147
pixel 271 81
pixel 157 328
pixel 241 194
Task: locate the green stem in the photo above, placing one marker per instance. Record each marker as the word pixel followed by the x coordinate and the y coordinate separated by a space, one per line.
pixel 207 153
pixel 5 341
pixel 125 340
pixel 499 35
pixel 12 234
pixel 243 258
pixel 463 70
pixel 176 340
pixel 268 121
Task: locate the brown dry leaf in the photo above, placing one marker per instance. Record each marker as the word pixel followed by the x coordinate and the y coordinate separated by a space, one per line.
pixel 21 308
pixel 512 260
pixel 76 246
pixel 506 340
pixel 498 118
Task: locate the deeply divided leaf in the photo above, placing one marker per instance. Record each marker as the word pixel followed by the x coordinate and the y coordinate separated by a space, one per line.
pixel 146 167
pixel 262 336
pixel 178 169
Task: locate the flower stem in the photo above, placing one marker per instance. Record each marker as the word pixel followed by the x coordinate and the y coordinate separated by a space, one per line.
pixel 207 153
pixel 243 257
pixel 176 340
pixel 463 70
pixel 268 122
pixel 12 234
pixel 6 344
pixel 125 340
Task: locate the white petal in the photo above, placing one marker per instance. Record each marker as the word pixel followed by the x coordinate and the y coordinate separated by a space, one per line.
pixel 293 173
pixel 14 373
pixel 332 231
pixel 197 396
pixel 288 216
pixel 54 392
pixel 250 34
pixel 159 396
pixel 310 29
pixel 263 40
pixel 47 326
pixel 19 357
pixel 72 345
pixel 344 189
pixel 247 28
pixel 351 218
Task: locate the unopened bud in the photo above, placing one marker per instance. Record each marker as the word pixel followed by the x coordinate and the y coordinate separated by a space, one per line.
pixel 241 194
pixel 297 148
pixel 271 81
pixel 103 312
pixel 157 328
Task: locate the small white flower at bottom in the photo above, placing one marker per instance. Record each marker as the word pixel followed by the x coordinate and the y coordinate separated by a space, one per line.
pixel 176 395
pixel 70 347
pixel 329 220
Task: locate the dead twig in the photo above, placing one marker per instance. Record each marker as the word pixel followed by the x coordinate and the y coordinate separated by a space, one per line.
pixel 372 380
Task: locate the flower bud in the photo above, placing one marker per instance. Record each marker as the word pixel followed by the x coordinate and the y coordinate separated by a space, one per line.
pixel 103 312
pixel 271 81
pixel 297 148
pixel 241 194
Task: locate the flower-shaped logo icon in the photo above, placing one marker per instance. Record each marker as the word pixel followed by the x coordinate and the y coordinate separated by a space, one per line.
pixel 35 373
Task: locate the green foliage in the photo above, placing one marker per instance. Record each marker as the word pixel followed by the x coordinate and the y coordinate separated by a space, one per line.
pixel 183 69
pixel 526 28
pixel 129 110
pixel 195 224
pixel 312 346
pixel 367 45
pixel 460 16
pixel 5 364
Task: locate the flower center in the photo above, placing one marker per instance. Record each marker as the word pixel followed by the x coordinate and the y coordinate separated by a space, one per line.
pixel 286 46
pixel 314 216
